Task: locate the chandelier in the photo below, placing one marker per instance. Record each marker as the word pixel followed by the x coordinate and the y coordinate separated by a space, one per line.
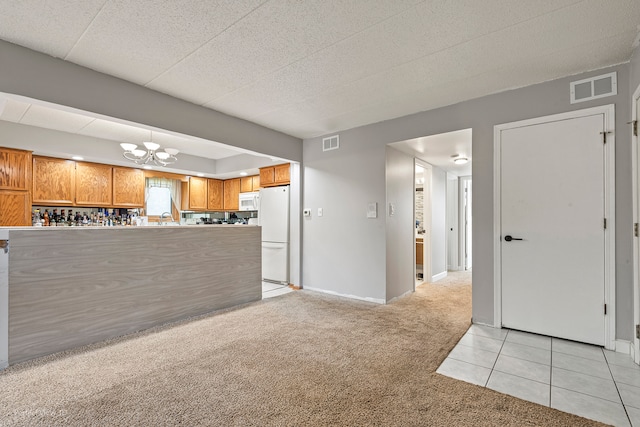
pixel 150 155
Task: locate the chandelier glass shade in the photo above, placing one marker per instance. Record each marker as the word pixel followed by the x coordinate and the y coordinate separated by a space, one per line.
pixel 152 154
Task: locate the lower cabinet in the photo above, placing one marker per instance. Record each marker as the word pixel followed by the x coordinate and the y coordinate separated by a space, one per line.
pixel 15 208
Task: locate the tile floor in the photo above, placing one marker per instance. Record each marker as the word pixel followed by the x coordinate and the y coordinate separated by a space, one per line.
pixel 582 379
pixel 270 290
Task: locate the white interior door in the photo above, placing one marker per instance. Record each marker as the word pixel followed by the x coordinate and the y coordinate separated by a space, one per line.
pixel 553 198
pixel 636 302
pixel 467 225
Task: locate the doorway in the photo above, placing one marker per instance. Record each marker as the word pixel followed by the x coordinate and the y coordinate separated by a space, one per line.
pixel 555 226
pixel 635 108
pixel 466 225
pixel 422 219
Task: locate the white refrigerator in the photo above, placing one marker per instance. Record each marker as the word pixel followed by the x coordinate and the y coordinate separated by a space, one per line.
pixel 273 217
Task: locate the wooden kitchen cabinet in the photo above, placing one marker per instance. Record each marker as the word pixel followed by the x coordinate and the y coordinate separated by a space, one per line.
pixel 281 173
pixel 15 208
pixel 194 194
pixel 215 196
pixel 275 175
pixel 94 184
pixel 231 194
pixel 128 187
pixel 53 181
pixel 267 176
pixel 246 184
pixel 249 183
pixel 15 169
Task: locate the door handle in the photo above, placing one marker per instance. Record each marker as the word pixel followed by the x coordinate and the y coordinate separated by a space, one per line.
pixel 508 238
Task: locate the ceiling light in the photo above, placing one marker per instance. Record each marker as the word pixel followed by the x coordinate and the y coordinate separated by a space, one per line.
pixel 460 160
pixel 77 158
pixel 243 174
pixel 150 155
pixel 201 174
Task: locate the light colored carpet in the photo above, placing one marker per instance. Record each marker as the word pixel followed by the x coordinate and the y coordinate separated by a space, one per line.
pixel 303 359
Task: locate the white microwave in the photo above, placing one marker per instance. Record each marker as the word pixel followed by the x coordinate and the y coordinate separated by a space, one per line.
pixel 249 201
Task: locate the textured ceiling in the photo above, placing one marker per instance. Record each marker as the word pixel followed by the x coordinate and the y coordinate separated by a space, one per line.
pixel 308 68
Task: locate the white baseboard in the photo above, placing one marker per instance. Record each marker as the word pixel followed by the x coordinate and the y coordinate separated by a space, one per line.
pixel 624 347
pixel 368 299
pixel 490 325
pixel 399 297
pixel 438 276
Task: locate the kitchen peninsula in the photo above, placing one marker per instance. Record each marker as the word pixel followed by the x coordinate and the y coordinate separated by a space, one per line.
pixel 64 287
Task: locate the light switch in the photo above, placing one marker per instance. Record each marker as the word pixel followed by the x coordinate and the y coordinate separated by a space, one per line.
pixel 372 210
pixel 319 211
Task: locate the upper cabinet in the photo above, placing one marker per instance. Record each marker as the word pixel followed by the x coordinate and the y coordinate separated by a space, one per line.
pixel 249 183
pixel 231 194
pixel 194 194
pixel 53 181
pixel 15 169
pixel 94 184
pixel 215 194
pixel 275 175
pixel 128 187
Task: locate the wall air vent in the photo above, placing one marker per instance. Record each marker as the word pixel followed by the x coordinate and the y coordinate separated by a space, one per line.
pixel 331 143
pixel 594 88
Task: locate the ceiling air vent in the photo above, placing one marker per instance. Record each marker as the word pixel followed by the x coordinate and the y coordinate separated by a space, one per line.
pixel 331 143
pixel 594 88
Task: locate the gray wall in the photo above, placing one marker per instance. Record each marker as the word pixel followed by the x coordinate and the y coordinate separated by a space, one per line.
pixel 36 75
pixel 360 166
pixel 343 251
pixel 400 230
pixel 438 221
pixel 634 77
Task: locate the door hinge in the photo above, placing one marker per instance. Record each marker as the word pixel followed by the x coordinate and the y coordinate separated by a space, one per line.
pixel 635 127
pixel 638 331
pixel 604 136
pixel 605 309
pixel 635 229
pixel 605 223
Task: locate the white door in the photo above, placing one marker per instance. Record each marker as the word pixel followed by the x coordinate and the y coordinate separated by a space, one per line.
pixel 636 339
pixel 553 199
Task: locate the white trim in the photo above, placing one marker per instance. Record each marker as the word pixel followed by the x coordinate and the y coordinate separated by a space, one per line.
pixel 427 203
pixel 635 165
pixel 623 347
pixel 4 304
pixel 337 294
pixel 438 276
pixel 609 205
pixel 401 296
pixel 462 227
